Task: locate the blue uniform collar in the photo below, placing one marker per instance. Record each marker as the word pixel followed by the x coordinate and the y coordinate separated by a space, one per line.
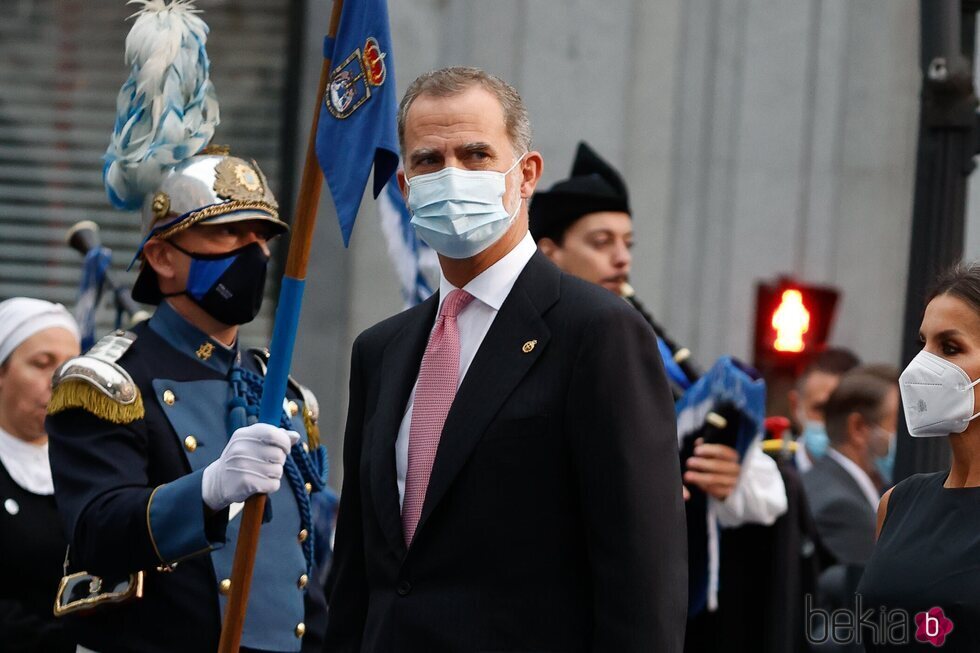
pixel 191 341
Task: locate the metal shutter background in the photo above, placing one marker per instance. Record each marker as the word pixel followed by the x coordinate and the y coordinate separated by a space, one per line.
pixel 61 64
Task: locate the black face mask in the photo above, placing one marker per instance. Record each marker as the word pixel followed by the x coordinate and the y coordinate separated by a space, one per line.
pixel 229 286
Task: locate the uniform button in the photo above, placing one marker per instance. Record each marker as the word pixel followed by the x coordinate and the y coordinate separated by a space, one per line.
pixel 303 534
pixel 404 588
pixel 300 629
pixel 303 580
pixel 293 408
pixel 224 586
pixel 306 447
pixel 169 398
pixel 190 443
pixel 309 488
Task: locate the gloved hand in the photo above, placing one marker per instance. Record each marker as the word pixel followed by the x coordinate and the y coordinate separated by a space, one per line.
pixel 250 464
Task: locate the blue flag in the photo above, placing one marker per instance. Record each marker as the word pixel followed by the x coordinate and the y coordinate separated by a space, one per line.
pixel 726 381
pixel 415 262
pixel 357 115
pixel 90 292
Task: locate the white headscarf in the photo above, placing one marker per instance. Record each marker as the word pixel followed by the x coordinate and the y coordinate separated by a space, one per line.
pixel 22 317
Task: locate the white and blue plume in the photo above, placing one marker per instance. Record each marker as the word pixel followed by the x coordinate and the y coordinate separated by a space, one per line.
pixel 166 111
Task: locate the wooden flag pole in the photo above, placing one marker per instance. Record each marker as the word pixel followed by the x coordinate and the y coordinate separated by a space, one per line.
pixel 283 339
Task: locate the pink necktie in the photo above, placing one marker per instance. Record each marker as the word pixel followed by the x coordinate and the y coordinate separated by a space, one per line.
pixel 434 393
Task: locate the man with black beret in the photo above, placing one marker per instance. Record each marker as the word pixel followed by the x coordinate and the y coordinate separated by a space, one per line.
pixel 584 225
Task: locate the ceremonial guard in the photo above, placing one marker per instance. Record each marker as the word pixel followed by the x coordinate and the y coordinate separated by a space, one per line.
pixel 154 440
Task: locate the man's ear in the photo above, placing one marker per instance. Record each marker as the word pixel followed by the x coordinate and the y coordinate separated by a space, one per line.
pixel 160 257
pixel 857 429
pixel 402 184
pixel 531 170
pixel 550 249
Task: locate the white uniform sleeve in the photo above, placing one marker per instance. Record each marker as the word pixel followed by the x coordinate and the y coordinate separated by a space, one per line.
pixel 759 496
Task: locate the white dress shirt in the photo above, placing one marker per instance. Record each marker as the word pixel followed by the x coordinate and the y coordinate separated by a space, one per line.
pixel 803 462
pixel 859 475
pixel 759 496
pixel 489 289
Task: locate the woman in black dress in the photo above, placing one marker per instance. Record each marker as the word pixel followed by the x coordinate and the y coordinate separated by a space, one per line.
pixel 925 569
pixel 35 338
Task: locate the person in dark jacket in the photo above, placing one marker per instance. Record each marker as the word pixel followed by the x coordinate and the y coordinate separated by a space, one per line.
pixel 35 338
pixel 510 461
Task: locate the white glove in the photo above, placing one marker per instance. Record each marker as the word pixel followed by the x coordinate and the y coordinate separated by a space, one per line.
pixel 250 464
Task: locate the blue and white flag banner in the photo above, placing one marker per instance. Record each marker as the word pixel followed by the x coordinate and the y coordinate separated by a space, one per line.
pixel 728 382
pixel 416 264
pixel 90 292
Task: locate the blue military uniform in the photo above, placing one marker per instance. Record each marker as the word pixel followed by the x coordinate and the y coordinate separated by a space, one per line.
pixel 129 492
pixel 138 425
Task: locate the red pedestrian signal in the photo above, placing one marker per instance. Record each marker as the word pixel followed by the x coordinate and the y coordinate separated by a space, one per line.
pixel 793 321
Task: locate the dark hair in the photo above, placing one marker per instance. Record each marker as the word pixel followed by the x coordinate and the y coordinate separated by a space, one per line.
pixel 961 281
pixel 863 391
pixel 833 360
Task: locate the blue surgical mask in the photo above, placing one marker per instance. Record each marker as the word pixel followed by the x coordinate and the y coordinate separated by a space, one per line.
pixel 815 438
pixel 886 464
pixel 460 213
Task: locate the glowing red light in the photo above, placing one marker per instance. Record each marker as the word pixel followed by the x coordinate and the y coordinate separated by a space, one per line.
pixel 791 320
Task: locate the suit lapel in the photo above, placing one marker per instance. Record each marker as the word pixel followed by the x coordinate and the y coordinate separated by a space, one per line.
pixel 849 484
pixel 499 365
pixel 399 370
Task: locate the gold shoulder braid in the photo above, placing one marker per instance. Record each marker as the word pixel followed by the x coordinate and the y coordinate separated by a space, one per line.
pixel 311 413
pixel 312 430
pixel 95 383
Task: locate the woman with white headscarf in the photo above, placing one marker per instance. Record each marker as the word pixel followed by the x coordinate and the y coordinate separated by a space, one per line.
pixel 36 337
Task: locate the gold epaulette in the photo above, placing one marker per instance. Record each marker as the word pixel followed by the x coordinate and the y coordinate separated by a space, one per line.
pixel 95 383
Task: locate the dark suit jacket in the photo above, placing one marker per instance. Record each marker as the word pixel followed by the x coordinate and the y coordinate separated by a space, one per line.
pixel 553 519
pixel 845 520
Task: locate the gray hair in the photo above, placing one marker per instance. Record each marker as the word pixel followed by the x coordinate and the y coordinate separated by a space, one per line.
pixel 451 81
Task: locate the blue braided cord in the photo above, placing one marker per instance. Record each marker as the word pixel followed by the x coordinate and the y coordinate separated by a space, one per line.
pixel 305 508
pixel 300 468
pixel 314 468
pixel 313 464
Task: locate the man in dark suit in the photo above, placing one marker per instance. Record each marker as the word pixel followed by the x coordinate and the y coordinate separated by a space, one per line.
pixel 511 478
pixel 844 486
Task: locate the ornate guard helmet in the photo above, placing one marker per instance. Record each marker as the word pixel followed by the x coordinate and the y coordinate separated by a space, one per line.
pixel 159 158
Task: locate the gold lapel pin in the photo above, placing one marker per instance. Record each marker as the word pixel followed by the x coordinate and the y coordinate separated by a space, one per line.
pixel 529 346
pixel 204 351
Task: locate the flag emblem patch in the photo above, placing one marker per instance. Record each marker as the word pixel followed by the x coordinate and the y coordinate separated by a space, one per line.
pixel 351 82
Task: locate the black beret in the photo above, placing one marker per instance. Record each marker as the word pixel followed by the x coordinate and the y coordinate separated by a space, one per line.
pixel 593 186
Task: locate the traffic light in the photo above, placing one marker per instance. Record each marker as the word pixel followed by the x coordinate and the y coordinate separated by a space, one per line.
pixel 793 322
